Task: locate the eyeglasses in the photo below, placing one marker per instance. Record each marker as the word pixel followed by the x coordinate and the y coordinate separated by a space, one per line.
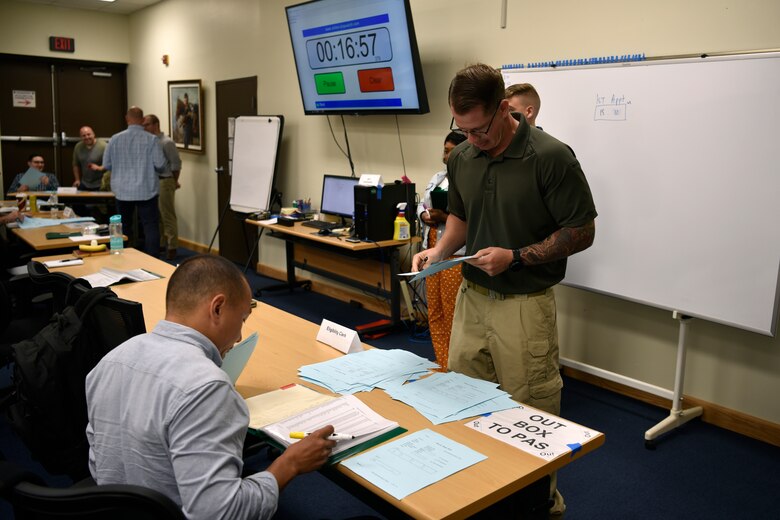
pixel 475 133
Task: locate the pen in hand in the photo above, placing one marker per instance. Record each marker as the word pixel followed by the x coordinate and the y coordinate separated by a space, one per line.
pixel 332 436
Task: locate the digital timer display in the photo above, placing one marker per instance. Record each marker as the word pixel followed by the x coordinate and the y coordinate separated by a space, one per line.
pixel 354 48
pixel 356 57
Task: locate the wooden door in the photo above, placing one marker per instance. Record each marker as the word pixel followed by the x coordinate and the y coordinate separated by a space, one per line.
pixel 26 114
pixel 92 95
pixel 236 97
pixel 44 102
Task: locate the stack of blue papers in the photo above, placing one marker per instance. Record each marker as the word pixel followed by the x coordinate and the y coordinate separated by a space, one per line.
pixel 364 371
pixel 450 397
pixel 39 222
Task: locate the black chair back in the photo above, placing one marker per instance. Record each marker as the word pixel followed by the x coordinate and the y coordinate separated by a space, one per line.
pixel 33 501
pixel 59 285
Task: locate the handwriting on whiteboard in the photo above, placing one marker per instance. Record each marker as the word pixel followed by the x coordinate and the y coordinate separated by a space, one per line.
pixel 612 108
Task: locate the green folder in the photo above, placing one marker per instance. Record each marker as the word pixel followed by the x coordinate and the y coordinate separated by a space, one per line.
pixel 53 234
pixel 338 457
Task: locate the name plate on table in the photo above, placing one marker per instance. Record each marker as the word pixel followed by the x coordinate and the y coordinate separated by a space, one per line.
pixel 339 337
pixel 370 179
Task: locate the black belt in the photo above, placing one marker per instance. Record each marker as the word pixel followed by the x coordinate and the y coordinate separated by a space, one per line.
pixel 495 295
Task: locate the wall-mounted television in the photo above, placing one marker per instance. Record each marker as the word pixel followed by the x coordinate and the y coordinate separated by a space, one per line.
pixel 357 57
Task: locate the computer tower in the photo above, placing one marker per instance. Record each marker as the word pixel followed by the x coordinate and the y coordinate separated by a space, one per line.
pixel 375 210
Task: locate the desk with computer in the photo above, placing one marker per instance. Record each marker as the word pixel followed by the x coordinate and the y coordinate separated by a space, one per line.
pixel 357 257
pixel 371 209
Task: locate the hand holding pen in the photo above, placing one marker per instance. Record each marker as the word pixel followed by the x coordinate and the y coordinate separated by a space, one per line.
pixel 332 436
pixel 425 258
pixel 303 456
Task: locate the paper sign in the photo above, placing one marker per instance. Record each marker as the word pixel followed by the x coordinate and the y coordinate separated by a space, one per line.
pixel 539 433
pixel 370 179
pixel 23 98
pixel 341 338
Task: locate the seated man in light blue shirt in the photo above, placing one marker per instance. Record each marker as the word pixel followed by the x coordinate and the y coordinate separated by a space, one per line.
pixel 164 415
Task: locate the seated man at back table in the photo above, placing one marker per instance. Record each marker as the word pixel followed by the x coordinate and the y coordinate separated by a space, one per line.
pixel 164 415
pixel 45 181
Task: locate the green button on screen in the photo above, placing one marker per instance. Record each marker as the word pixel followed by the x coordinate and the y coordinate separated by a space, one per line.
pixel 330 83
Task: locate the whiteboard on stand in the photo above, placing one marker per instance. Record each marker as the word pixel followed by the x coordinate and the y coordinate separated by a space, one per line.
pixel 682 159
pixel 256 143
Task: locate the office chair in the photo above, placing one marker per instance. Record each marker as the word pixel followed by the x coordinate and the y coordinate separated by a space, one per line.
pixel 56 285
pixel 32 500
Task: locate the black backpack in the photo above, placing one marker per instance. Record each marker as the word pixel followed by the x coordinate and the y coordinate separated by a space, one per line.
pixel 49 412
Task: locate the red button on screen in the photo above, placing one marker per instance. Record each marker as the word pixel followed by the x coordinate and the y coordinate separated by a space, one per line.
pixel 376 80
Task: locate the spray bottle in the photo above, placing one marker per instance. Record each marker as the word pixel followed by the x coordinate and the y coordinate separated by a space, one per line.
pixel 401 225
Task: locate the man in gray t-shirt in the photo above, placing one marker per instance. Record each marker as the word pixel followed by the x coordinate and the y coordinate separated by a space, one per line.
pixel 88 161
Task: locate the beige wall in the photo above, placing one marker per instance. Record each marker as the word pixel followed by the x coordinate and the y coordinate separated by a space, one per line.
pixel 235 38
pixel 25 29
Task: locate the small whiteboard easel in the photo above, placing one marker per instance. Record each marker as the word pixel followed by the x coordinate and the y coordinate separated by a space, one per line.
pixel 255 152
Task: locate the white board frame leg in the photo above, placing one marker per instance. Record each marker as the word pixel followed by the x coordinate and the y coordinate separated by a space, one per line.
pixel 677 416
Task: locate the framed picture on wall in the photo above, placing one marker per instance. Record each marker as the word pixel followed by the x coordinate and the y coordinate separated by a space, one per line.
pixel 185 115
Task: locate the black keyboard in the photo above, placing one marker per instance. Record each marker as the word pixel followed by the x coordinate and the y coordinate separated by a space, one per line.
pixel 320 224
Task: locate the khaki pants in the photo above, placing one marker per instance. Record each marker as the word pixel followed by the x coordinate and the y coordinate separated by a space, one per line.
pixel 511 341
pixel 169 226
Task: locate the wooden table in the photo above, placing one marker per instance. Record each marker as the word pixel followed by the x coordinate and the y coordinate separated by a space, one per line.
pixel 36 237
pixel 341 260
pixel 44 195
pixel 286 342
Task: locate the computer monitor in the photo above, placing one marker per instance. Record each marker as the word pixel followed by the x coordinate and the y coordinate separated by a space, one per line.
pixel 338 196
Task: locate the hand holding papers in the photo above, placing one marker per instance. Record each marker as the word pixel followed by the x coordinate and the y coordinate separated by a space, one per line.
pixel 436 267
pixel 31 178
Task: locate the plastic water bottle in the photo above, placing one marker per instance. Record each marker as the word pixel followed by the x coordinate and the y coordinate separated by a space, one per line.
pixel 53 206
pixel 116 243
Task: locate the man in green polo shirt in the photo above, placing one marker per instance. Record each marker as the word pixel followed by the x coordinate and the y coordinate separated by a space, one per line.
pixel 519 201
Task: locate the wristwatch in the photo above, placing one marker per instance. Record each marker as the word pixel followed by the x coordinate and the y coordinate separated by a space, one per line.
pixel 517 261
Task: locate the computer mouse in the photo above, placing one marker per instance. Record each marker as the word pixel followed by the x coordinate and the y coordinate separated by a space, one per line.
pixel 323 232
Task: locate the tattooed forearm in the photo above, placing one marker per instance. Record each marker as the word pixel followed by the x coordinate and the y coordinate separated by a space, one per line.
pixel 561 244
